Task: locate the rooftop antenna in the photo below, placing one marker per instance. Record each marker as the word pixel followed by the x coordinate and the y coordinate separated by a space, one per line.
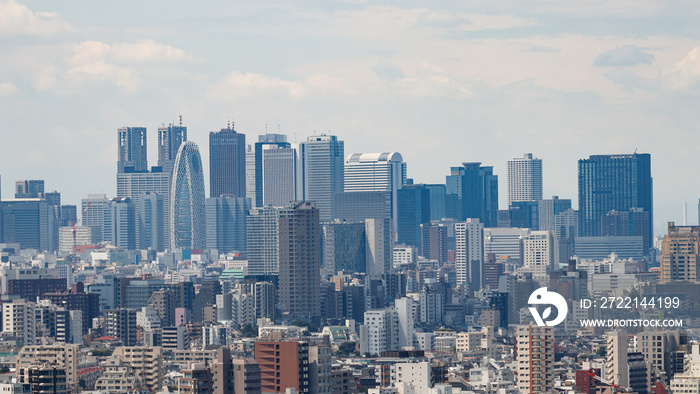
pixel 228 124
pixel 278 128
pixel 180 120
pixel 265 128
pixel 233 125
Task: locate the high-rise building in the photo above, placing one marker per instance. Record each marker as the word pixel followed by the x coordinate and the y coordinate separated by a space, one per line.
pixel 299 261
pixel 263 240
pixel 535 359
pixel 283 365
pixel 438 194
pixel 680 254
pixel 344 247
pixel 354 206
pixel 227 163
pixel 469 253
pixel 93 216
pixel 18 320
pixel 170 138
pixel 29 222
pixel 119 226
pixel 434 241
pixel 250 176
pixel 134 184
pixel 472 192
pixel 379 247
pixel 538 253
pixel 61 356
pixel 150 221
pixel 548 210
pixel 226 223
pixel 505 242
pixel 413 210
pixel 121 324
pixel 524 179
pixel 370 172
pixel 619 182
pixel 29 189
pixel 634 222
pixel 187 212
pixel 321 172
pixel 279 171
pixel 132 152
pixel 265 142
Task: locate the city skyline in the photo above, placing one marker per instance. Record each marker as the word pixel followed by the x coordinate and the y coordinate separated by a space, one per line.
pixel 440 83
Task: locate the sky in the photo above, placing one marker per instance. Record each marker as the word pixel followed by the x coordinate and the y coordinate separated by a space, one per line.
pixel 441 82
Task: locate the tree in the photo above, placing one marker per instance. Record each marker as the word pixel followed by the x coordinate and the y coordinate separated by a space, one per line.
pixel 346 348
pixel 249 331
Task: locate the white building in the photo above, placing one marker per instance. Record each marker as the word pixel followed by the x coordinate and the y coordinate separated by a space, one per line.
pixel 279 170
pixel 148 319
pixel 689 380
pixel 538 253
pixel 18 319
pixel 404 311
pixel 469 253
pixel 505 241
pixel 404 254
pixel 524 179
pixel 417 375
pixel 379 247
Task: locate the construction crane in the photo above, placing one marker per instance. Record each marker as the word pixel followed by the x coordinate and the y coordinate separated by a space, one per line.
pixel 618 389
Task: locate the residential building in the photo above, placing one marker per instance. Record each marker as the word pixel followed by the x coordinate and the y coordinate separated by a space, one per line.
pixel 469 253
pixel 59 355
pixel 146 363
pixel 535 359
pixel 263 241
pixel 121 324
pixel 524 179
pixel 680 254
pixel 18 319
pixel 283 365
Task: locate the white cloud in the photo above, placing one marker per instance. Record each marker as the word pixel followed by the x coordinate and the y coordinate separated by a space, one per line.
pixel 18 19
pixel 237 84
pixel 685 75
pixel 8 89
pixel 627 55
pixel 147 51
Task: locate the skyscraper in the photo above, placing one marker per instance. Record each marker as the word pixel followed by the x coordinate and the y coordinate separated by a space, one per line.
pixel 680 254
pixel 150 221
pixel 379 246
pixel 548 210
pixel 267 141
pixel 187 212
pixel 227 163
pixel 524 179
pixel 135 184
pixel 344 247
pixel 469 253
pixel 29 189
pixel 263 241
pixel 279 170
pixel 437 201
pixel 368 172
pixel 472 192
pixel 300 261
pixel 120 223
pixel 322 172
pixel 226 223
pixel 413 210
pixel 29 222
pixel 169 140
pixel 93 208
pixel 619 182
pixel 132 153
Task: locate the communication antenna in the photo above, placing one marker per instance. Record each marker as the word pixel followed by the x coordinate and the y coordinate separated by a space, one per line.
pixel 180 120
pixel 228 124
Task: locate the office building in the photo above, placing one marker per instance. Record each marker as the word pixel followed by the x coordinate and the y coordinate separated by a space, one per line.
pixel 279 170
pixel 505 243
pixel 68 215
pixel 263 241
pixel 472 192
pixel 379 247
pixel 535 359
pixel 276 158
pixel 370 172
pixel 227 163
pixel 30 222
pixel 227 223
pixel 344 247
pixel 283 365
pixel 354 206
pixel 680 254
pixel 76 299
pixel 119 226
pixel 250 169
pixel 438 194
pixel 299 261
pixel 135 184
pixel 538 253
pixel 132 150
pixel 121 324
pixel 151 224
pixel 170 138
pixel 469 253
pixel 322 172
pixel 524 179
pixel 413 210
pixel 434 241
pixel 598 248
pixel 187 212
pixel 619 182
pixel 548 210
pixel 29 189
pixel 92 209
pixel 634 222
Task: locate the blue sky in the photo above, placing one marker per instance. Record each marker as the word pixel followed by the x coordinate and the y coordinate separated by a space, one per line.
pixel 439 82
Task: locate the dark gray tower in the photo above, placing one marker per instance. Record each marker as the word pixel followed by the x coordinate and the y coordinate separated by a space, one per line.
pixel 227 163
pixel 132 155
pixel 169 140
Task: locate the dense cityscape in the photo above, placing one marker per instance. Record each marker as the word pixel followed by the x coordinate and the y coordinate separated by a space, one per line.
pixel 309 269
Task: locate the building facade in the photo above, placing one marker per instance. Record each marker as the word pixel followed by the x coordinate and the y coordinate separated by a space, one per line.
pixel 187 212
pixel 227 163
pixel 524 179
